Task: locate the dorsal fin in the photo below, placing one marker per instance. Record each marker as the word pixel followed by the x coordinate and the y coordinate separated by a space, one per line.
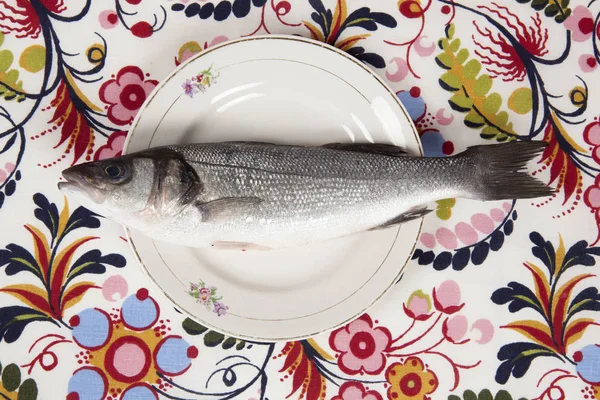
pixel 372 148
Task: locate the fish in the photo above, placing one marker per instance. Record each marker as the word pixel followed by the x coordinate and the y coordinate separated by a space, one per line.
pixel 267 196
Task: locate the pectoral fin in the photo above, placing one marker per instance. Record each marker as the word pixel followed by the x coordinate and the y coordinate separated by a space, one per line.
pixel 410 215
pixel 223 210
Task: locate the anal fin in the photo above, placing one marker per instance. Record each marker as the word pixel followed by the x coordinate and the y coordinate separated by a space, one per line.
pixel 243 246
pixel 410 215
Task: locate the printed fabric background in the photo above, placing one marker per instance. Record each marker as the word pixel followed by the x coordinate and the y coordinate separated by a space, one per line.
pixel 500 300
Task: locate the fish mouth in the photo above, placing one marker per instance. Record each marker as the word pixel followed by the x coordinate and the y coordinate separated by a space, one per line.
pixel 73 179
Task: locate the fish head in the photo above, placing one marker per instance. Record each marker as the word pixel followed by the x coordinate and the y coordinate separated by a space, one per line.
pixel 149 185
pixel 112 187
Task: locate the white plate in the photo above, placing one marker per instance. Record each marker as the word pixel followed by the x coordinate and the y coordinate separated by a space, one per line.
pixel 289 90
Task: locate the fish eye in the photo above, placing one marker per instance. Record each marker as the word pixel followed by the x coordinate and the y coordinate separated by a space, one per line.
pixel 114 171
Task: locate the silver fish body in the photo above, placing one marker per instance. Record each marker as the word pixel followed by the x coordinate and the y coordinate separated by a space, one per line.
pixel 266 196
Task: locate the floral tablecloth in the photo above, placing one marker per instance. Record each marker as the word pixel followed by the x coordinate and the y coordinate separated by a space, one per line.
pixel 500 300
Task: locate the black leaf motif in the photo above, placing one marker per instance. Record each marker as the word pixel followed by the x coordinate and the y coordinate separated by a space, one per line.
pixel 580 254
pixel 461 259
pixel 544 250
pixel 480 253
pixel 18 259
pixel 47 213
pixel 496 240
pixel 476 253
pixel 442 261
pixel 93 262
pixel 13 320
pixel 82 218
pixel 516 359
pixel 370 58
pixel 587 300
pixel 368 20
pixel 519 296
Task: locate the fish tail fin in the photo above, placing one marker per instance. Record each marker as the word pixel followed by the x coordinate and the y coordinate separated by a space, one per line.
pixel 501 171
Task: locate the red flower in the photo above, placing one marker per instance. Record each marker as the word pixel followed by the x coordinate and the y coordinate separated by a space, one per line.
pixel 23 19
pixel 446 298
pixel 113 147
pixel 356 391
pixel 126 94
pixel 361 346
pixel 504 60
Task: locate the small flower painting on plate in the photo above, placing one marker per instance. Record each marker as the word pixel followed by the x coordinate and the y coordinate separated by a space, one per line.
pixel 200 82
pixel 208 296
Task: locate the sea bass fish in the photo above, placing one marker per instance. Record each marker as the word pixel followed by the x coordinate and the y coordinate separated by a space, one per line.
pixel 250 195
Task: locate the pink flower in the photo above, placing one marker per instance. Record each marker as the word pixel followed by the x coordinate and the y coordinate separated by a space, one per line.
pixel 356 391
pixel 113 147
pixel 591 198
pixel 587 62
pixel 5 173
pixel 446 298
pixel 204 294
pixel 361 346
pixel 454 328
pixel 581 24
pixel 418 306
pixel 126 94
pixel 108 19
pixel 486 329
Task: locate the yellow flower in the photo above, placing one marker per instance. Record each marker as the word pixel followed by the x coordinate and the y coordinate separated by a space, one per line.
pixel 410 380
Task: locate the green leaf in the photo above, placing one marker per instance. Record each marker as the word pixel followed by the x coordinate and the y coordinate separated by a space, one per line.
pixel 565 3
pixel 472 69
pixel 469 395
pixel 191 327
pixel 474 120
pixel 1 38
pixel 6 60
pixel 450 30
pixel 489 132
pixel 502 118
pixel 483 84
pixel 539 4
pixel 462 56
pixel 450 81
pixel 485 394
pixel 455 45
pixel 551 10
pixel 460 103
pixel 492 104
pixel 503 395
pixel 445 60
pixel 213 339
pixel 28 390
pixel 453 397
pixel 11 377
pixel 240 345
pixel 229 343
